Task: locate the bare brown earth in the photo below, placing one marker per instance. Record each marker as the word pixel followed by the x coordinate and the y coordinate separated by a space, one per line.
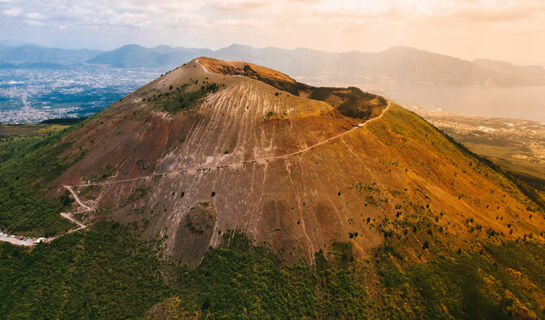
pixel 294 170
pixel 243 68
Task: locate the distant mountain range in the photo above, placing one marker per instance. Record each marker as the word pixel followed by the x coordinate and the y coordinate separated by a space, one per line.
pixel 396 64
pixel 140 57
pixel 31 53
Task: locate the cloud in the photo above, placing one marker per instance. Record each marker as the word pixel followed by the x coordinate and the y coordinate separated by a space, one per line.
pixel 12 12
pixel 211 13
pixel 237 7
pixel 321 24
pixel 511 13
pixel 33 22
pixel 35 16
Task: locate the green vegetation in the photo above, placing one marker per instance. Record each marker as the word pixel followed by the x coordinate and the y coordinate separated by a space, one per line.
pixel 364 189
pixel 15 137
pixel 179 99
pixel 270 114
pixel 351 101
pixel 28 164
pixel 495 283
pixel 9 145
pixel 107 272
pixel 63 121
pixel 241 281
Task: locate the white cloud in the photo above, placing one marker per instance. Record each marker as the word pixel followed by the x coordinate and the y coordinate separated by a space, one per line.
pixel 35 16
pixel 33 22
pixel 157 14
pixel 12 12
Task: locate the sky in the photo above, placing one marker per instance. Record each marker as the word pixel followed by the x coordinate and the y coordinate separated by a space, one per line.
pixel 508 30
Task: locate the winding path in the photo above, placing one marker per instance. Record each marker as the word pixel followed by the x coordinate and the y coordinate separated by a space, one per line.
pixel 227 165
pixel 29 242
pixel 86 207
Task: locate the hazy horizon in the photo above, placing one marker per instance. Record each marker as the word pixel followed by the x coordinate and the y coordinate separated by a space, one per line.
pixel 16 43
pixel 501 30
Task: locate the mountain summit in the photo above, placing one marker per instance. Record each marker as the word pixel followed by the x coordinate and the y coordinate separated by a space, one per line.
pixel 216 146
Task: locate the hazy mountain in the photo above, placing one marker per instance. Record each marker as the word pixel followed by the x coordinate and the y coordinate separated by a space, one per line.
pixel 13 43
pixel 41 65
pixel 132 55
pixel 402 64
pixel 135 56
pixel 397 64
pixel 35 54
pixel 529 74
pixel 5 65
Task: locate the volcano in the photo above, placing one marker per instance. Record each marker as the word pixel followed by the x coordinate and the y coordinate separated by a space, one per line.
pixel 227 190
pixel 216 146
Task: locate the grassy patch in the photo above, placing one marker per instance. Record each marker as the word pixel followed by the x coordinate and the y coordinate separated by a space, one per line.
pixel 24 178
pixel 414 129
pixel 180 99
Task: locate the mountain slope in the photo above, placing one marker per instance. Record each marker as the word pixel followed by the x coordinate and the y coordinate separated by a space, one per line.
pixel 295 172
pixel 284 199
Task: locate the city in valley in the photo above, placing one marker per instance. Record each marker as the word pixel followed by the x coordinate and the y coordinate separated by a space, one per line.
pixel 31 95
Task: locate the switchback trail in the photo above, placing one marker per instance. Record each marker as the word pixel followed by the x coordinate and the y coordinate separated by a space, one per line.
pixel 87 208
pixel 29 242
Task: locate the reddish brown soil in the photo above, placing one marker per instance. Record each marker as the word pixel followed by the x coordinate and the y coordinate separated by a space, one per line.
pixel 295 172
